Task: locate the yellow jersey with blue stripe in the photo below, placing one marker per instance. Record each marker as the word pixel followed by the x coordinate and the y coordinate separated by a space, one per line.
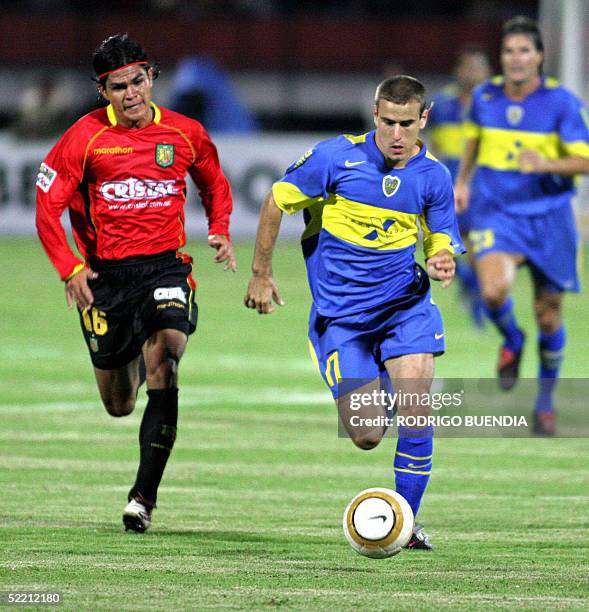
pixel 446 127
pixel 362 221
pixel 551 120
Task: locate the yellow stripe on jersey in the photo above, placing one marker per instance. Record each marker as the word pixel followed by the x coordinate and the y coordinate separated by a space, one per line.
pixel 290 199
pixel 551 83
pixel 157 113
pixel 448 139
pixel 580 148
pixel 110 113
pixel 360 224
pixel 499 149
pixel 71 275
pixel 434 242
pixel 315 223
pixel 369 226
pixel 356 139
pixel 471 130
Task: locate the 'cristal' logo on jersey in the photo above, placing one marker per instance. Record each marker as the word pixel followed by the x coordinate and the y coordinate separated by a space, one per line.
pixel 135 189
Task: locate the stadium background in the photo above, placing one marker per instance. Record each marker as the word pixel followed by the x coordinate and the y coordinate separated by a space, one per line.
pixel 258 480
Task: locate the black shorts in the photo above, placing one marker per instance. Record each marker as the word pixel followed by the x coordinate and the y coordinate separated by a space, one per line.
pixel 134 298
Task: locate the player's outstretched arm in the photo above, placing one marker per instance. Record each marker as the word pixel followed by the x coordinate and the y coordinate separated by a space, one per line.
pixel 261 290
pixel 531 161
pixel 225 252
pixel 441 267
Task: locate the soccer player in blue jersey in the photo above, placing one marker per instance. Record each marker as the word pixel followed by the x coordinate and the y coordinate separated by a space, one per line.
pixel 446 141
pixel 372 319
pixel 528 137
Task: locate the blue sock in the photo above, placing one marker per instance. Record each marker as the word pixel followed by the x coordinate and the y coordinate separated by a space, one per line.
pixel 551 349
pixel 504 320
pixel 413 464
pixel 467 276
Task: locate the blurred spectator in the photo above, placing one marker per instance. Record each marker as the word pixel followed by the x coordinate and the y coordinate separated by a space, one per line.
pixel 45 109
pixel 202 90
pixel 450 104
pixel 446 141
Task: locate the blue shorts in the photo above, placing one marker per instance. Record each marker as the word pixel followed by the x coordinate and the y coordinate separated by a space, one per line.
pixel 547 241
pixel 464 220
pixel 356 346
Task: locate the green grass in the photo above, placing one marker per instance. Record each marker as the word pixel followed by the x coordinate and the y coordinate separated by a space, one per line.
pixel 250 507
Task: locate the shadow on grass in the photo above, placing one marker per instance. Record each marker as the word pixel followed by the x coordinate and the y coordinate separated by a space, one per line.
pixel 236 536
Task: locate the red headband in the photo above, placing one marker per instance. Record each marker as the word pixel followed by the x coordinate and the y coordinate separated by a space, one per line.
pixel 100 76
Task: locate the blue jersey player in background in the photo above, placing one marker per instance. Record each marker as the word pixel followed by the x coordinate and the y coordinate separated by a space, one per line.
pixel 446 138
pixel 528 137
pixel 372 319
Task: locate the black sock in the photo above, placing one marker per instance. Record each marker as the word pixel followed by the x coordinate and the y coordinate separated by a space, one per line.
pixel 156 439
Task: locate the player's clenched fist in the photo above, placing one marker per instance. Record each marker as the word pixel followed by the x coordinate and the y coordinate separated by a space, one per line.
pixel 441 267
pixel 260 293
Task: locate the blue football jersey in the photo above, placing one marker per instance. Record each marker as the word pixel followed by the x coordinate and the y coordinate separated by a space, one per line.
pixel 446 127
pixel 550 120
pixel 363 219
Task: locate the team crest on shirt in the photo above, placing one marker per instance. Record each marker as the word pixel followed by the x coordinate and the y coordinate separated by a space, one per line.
pixel 514 114
pixel 164 155
pixel 390 185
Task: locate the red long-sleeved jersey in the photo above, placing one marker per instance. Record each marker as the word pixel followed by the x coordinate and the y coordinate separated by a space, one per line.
pixel 125 188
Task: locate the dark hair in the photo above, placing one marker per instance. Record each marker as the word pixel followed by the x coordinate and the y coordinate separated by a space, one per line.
pixel 472 50
pixel 523 25
pixel 401 89
pixel 117 51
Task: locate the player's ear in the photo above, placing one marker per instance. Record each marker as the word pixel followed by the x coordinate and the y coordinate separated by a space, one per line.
pixel 102 92
pixel 424 116
pixel 375 114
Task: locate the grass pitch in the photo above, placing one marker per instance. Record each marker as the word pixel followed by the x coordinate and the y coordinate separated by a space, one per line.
pixel 250 506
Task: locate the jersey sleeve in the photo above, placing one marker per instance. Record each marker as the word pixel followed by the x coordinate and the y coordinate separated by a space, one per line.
pixel 212 184
pixel 574 127
pixel 58 179
pixel 305 182
pixel 438 220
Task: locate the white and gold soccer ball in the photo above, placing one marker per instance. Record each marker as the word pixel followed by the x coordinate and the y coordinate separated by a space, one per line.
pixel 378 523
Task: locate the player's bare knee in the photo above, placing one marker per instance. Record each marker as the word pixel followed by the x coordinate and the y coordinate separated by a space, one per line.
pixel 367 441
pixel 119 407
pixel 163 373
pixel 548 321
pixel 494 295
pixel 548 315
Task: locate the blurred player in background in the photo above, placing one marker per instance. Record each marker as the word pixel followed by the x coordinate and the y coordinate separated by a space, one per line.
pixel 120 171
pixel 372 319
pixel 446 141
pixel 528 137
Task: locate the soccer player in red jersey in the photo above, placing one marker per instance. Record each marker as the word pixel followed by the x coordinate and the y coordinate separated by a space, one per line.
pixel 121 173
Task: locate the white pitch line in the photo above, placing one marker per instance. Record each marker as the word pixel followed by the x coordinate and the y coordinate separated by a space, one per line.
pixel 198 395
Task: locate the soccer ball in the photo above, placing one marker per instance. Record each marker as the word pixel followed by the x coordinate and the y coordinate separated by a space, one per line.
pixel 378 523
